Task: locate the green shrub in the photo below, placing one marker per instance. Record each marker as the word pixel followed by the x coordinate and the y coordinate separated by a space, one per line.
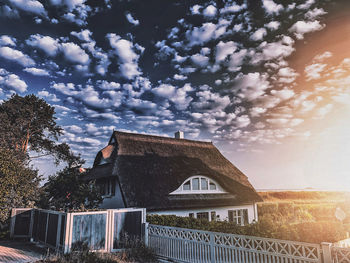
pixel 269 226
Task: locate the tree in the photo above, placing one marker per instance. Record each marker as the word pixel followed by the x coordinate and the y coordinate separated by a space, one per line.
pixel 18 184
pixel 67 190
pixel 29 123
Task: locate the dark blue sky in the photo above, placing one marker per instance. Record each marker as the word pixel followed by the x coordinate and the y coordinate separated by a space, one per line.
pixel 248 75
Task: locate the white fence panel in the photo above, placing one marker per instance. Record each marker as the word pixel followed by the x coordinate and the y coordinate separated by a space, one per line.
pixel 340 255
pixel 188 245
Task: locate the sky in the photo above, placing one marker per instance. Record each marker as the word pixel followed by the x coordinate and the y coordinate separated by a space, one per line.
pixel 266 81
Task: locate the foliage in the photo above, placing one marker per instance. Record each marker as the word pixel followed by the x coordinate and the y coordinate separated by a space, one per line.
pixel 18 184
pixel 269 225
pixel 81 254
pixel 29 123
pixel 67 190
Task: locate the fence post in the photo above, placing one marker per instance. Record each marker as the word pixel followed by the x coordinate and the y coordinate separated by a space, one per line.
pixel 326 252
pixel 212 247
pixel 31 224
pixel 68 229
pixel 145 233
pixel 13 220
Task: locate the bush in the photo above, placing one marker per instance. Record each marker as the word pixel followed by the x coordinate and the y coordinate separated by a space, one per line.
pixel 269 226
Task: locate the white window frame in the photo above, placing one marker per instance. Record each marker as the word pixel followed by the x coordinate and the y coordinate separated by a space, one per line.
pixel 218 189
pixel 238 216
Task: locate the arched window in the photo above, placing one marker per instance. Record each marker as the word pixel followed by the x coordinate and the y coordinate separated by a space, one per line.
pixel 199 185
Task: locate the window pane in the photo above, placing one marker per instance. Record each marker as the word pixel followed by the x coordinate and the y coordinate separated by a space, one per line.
pixel 213 216
pixel 230 215
pixel 195 184
pixel 245 216
pixel 187 185
pixel 212 186
pixel 191 215
pixel 203 215
pixel 204 184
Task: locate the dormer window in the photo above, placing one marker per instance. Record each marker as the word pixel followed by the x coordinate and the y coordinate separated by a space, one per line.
pixel 199 185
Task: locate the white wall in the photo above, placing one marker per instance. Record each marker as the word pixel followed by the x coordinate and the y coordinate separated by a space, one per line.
pixel 221 211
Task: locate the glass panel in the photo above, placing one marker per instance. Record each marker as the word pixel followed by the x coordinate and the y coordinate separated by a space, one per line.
pixel 195 184
pixel 187 185
pixel 230 215
pixel 89 229
pixel 204 184
pixel 203 215
pixel 127 229
pixel 212 186
pixel 245 216
pixel 191 215
pixel 213 215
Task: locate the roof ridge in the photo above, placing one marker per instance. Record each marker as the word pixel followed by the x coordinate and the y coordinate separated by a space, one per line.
pixel 150 136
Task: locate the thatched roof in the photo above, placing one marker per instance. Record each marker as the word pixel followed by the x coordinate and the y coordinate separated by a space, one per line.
pixel 148 168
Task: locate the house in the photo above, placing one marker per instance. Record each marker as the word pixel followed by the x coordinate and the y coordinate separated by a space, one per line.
pixel 173 176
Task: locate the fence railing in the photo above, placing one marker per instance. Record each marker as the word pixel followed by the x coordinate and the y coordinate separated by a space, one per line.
pixel 340 254
pixel 188 245
pixel 107 230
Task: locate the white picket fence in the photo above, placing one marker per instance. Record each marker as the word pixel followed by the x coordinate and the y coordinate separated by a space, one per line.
pixel 188 245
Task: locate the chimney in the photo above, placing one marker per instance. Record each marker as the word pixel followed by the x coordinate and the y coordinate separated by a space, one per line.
pixel 179 135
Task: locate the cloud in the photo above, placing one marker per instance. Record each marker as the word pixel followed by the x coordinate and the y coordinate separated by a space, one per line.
pixel 306 5
pixel 181 98
pixel 105 85
pixel 251 85
pixel 31 6
pixel 126 53
pixel 7 11
pixel 273 50
pixel 12 81
pixel 314 71
pixel 83 35
pixel 224 49
pixel 208 31
pixel 210 101
pixel 287 75
pixel 75 53
pixel 37 71
pixel 301 28
pixel 17 56
pixel 271 7
pixel 283 94
pixel 315 13
pixel 242 121
pixel 164 90
pixel 323 56
pixel 195 9
pixel 258 34
pixel 273 25
pixel 48 96
pixel 232 8
pixel 179 77
pixel 200 60
pixel 49 45
pixel 257 111
pixel 7 41
pixel 132 20
pixel 209 11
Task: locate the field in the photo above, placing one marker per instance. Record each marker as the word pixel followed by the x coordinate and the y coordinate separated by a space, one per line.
pixel 311 216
